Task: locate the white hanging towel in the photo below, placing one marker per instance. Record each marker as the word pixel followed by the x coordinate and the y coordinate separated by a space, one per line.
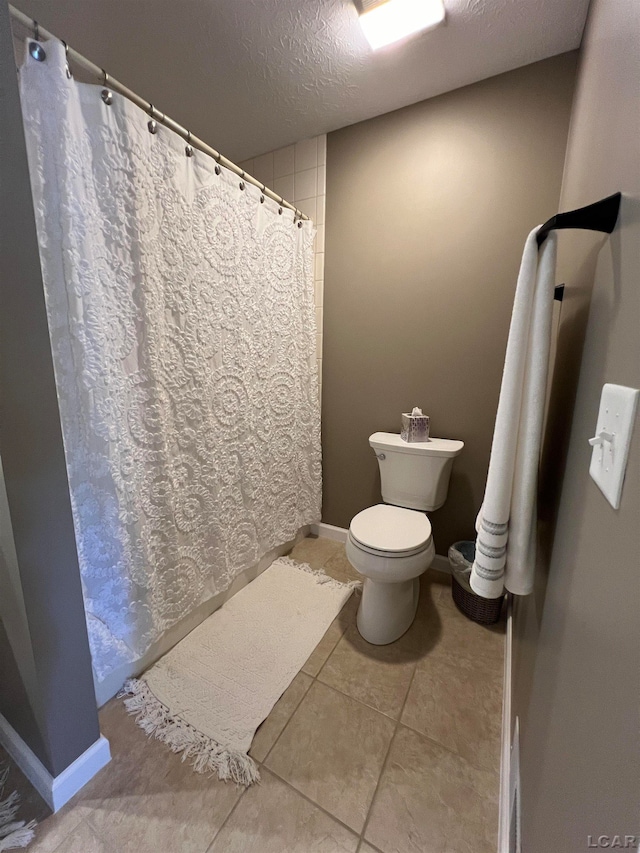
pixel 506 523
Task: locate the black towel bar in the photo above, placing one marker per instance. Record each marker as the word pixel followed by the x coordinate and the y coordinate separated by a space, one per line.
pixel 600 216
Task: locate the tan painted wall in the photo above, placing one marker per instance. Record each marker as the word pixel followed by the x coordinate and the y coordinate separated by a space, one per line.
pixel 427 212
pixel 577 642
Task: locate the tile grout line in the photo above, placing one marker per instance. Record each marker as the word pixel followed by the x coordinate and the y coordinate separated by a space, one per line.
pixel 280 778
pixel 262 764
pixel 369 844
pixel 59 848
pixel 450 750
pixel 99 836
pixel 359 701
pixel 68 834
pixel 477 766
pixel 312 677
pixel 312 802
pixel 386 758
pixel 273 745
pixel 333 648
pixel 338 641
pixel 224 822
pixel 375 710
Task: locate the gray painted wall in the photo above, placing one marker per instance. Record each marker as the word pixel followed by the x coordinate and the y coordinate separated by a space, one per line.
pixel 18 678
pixel 577 642
pixel 46 685
pixel 427 212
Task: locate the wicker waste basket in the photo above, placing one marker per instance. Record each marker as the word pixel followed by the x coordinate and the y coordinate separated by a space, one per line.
pixel 486 611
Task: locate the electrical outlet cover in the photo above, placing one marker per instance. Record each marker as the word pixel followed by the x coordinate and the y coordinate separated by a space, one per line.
pixel 609 457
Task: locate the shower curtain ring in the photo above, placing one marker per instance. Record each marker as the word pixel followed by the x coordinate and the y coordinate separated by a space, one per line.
pixel 105 78
pixel 66 56
pixel 281 203
pixel 189 148
pixel 36 51
pixel 264 186
pixel 218 168
pixel 242 177
pixel 152 124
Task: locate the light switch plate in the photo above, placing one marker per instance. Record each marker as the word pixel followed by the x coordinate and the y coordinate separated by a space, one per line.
pixel 613 435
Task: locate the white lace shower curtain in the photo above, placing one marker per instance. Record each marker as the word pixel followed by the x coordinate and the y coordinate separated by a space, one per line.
pixel 182 324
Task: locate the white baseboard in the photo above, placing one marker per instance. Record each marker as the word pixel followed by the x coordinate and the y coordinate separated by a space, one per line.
pixel 508 780
pixel 328 531
pixel 441 564
pixel 54 790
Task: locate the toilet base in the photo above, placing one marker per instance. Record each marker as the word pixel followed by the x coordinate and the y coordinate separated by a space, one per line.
pixel 387 610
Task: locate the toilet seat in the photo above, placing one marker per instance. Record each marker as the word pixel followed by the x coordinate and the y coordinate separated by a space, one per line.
pixel 390 531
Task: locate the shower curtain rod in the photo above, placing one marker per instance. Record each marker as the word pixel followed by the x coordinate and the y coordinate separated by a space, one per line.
pixel 110 82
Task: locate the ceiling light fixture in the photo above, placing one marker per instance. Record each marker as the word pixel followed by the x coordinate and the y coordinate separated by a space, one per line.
pixel 388 21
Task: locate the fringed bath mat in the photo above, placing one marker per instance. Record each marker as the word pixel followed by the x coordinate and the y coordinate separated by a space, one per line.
pixel 209 694
pixel 14 834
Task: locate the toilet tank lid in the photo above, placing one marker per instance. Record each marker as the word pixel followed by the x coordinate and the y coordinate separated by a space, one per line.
pixel 391 441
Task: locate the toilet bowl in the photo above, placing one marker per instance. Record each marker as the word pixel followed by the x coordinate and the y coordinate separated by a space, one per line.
pixel 390 544
pixel 390 547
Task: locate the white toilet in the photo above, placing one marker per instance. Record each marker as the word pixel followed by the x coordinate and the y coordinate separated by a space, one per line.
pixel 390 544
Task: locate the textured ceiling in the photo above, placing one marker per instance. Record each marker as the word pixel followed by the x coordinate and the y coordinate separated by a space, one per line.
pixel 248 76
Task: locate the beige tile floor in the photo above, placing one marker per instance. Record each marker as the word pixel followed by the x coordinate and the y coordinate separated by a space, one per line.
pixel 392 749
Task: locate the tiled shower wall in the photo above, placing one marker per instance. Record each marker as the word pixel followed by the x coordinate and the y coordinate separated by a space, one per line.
pixel 298 174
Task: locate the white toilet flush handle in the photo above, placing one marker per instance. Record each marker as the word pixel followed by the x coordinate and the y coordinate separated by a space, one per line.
pixel 600 438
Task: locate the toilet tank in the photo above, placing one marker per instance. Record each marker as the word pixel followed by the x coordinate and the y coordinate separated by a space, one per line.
pixel 414 475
